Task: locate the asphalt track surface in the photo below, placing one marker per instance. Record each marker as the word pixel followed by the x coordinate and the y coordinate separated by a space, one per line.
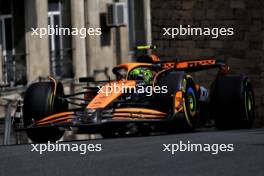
pixel 144 156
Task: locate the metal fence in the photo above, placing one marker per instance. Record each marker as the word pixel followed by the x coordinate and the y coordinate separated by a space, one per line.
pixel 14 69
pixel 61 63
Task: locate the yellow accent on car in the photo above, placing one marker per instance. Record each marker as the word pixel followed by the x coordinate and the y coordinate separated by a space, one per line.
pixel 144 47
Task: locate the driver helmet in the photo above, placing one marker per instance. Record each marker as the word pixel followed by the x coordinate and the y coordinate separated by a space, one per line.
pixel 142 73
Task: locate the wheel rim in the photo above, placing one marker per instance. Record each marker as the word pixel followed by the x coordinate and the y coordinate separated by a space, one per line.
pixel 190 106
pixel 249 103
pixel 191 101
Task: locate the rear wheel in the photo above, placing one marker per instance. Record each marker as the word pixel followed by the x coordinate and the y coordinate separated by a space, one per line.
pixel 232 102
pixel 40 102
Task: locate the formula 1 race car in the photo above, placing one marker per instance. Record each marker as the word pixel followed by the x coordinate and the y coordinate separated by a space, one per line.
pixel 147 95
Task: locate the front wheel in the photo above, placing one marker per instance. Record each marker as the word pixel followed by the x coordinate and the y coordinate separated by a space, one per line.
pixel 186 105
pixel 40 101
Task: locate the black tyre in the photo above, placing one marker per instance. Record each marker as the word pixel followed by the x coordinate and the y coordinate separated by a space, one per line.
pixel 173 82
pixel 40 102
pixel 232 102
pixel 187 117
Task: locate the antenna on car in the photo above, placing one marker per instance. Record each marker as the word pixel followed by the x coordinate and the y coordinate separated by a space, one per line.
pixel 145 48
pixel 147 56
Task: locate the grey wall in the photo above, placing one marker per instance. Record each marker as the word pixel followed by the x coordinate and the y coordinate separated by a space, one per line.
pixel 111 47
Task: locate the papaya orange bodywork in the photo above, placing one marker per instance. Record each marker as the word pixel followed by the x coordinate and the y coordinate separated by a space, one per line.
pixel 136 115
pixel 64 118
pixel 55 116
pixel 101 100
pixel 139 111
pixel 178 101
pixel 130 66
pixel 186 64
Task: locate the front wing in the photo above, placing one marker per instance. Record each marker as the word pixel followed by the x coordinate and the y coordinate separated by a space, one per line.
pixel 94 122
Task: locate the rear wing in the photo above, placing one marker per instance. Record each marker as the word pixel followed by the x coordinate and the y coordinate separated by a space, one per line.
pixel 194 65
